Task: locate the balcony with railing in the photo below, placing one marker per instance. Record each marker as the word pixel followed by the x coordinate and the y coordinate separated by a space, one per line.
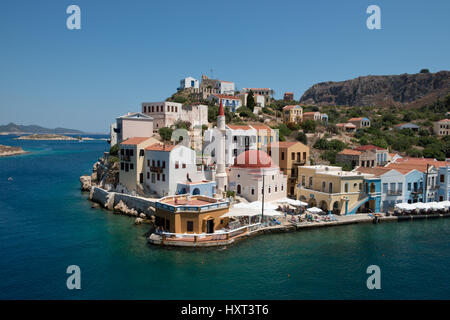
pixel 156 169
pixel 394 192
pixel 417 191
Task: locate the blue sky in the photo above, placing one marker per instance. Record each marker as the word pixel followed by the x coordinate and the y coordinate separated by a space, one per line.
pixel 128 52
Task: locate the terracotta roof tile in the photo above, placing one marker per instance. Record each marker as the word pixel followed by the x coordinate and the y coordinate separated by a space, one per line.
pixel 134 140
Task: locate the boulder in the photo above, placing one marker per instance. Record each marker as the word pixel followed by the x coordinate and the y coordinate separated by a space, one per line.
pixel 86 183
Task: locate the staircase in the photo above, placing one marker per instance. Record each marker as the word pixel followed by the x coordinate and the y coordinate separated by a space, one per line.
pixel 358 204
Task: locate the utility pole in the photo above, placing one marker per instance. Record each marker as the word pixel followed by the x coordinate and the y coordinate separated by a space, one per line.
pixel 426 186
pixel 263 189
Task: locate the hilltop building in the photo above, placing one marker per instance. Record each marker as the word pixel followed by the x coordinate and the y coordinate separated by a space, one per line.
pixel 230 102
pixel 360 123
pixel 266 92
pixel 189 82
pixel 292 113
pixel 260 100
pixel 288 96
pixel 442 127
pixel 166 113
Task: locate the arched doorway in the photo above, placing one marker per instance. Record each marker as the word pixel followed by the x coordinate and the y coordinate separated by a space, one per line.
pixel 196 191
pixel 238 189
pixel 336 208
pixel 183 191
pixel 312 202
pixel 324 206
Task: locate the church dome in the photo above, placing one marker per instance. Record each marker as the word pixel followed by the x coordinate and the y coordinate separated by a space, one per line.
pixel 253 159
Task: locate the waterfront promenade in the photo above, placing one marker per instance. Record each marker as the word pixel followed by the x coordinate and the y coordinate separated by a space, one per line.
pixel 227 238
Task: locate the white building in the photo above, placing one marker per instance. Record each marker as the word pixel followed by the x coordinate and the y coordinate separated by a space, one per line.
pixel 260 100
pixel 166 113
pixel 225 87
pixel 168 165
pixel 230 102
pixel 189 82
pixel 131 125
pixel 246 177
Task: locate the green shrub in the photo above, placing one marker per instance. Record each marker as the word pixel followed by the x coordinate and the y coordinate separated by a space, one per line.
pixel 114 150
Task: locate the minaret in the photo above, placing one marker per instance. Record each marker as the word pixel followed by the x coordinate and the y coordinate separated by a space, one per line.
pixel 221 175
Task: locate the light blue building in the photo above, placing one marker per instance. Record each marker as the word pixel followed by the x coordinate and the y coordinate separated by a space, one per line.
pixel 443 180
pixel 204 188
pixel 414 181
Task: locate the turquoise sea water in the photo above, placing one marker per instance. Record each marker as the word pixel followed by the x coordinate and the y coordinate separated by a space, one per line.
pixel 47 224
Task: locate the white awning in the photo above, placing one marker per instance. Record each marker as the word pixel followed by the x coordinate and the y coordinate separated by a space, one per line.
pixel 292 202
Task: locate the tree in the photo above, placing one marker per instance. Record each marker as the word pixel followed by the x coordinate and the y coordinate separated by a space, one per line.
pixel 301 136
pixel 250 100
pixel 165 133
pixel 309 126
pixel 114 150
pixel 424 71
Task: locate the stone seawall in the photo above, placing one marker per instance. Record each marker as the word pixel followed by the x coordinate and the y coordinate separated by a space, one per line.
pixel 110 200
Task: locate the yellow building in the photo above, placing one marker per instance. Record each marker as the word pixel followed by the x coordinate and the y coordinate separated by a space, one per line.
pixel 337 191
pixel 191 214
pixel 289 156
pixel 292 113
pixel 132 157
pixel 265 135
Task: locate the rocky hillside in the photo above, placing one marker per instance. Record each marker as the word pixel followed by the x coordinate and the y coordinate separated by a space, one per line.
pixel 405 89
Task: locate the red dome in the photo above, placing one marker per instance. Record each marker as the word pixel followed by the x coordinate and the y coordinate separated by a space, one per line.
pixel 253 159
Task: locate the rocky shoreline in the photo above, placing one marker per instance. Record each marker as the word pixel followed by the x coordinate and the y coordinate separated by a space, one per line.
pixel 105 175
pixel 6 151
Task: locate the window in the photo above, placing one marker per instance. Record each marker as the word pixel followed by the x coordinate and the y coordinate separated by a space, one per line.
pixel 409 186
pixel 276 188
pixel 330 188
pixel 442 178
pixel 282 155
pixel 153 163
pixel 270 188
pixel 141 152
pixel 131 152
pixel 385 187
pixel 323 186
pixel 273 177
pixel 304 156
pixel 153 178
pixel 184 165
pixel 235 152
pixel 158 163
pixel 392 187
pixel 293 156
pixel 177 165
pixel 253 191
pixel 148 175
pixel 122 166
pixel 158 177
pixel 310 182
pixel 346 187
pixel 303 180
pixel 400 187
pixel 121 152
pixel 127 152
pixel 127 167
pixel 163 177
pixel 131 166
pixel 145 109
pixel 141 177
pixel 148 163
pixel 282 187
pixel 190 226
pixel 235 138
pixel 163 164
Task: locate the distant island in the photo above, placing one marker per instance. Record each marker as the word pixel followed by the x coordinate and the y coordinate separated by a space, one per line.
pixel 13 128
pixel 10 151
pixel 46 137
